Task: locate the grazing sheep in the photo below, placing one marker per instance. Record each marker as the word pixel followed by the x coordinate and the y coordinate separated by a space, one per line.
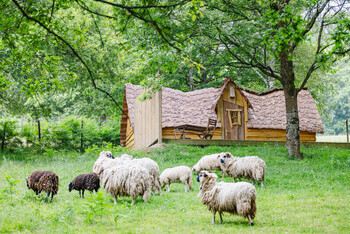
pixel 125 180
pixel 250 167
pixel 235 198
pixel 207 162
pixel 175 175
pixel 106 161
pixel 89 181
pixel 46 181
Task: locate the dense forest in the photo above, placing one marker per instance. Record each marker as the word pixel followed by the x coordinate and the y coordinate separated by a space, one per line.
pixel 69 60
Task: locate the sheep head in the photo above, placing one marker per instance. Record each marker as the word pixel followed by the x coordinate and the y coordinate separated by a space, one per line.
pixel 27 182
pixel 107 154
pixel 224 157
pixel 205 177
pixel 70 187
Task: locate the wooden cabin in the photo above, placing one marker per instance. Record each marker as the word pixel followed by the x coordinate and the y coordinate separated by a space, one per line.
pixel 240 114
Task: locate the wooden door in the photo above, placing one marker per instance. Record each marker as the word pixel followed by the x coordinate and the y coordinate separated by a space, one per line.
pixel 234 121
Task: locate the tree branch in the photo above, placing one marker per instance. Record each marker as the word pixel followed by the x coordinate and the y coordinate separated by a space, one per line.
pixel 141 7
pixel 72 49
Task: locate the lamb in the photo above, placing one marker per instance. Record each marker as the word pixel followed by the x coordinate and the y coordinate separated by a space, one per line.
pixel 176 174
pixel 250 167
pixel 46 181
pixel 208 162
pixel 235 198
pixel 125 180
pixel 89 181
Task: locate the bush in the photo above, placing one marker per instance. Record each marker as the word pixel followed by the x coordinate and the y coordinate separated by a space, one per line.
pixel 72 133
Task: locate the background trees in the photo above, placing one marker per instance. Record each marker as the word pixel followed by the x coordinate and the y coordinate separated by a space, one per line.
pixel 60 56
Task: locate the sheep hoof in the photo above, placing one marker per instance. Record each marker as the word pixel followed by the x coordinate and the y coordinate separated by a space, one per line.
pixel 251 224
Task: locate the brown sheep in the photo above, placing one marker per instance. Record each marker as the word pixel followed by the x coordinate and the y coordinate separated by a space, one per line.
pixel 46 181
pixel 89 181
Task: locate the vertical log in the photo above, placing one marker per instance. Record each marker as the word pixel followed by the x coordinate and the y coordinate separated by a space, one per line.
pixel 347 130
pixel 37 119
pixel 82 137
pixel 3 138
pixel 160 130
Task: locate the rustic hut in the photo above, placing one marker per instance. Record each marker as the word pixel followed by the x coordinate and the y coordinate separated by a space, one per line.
pixel 240 114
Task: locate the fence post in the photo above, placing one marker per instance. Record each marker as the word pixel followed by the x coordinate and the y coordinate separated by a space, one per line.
pixel 347 130
pixel 81 137
pixel 3 138
pixel 37 119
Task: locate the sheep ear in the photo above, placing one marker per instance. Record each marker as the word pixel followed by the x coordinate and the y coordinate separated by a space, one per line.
pixel 228 154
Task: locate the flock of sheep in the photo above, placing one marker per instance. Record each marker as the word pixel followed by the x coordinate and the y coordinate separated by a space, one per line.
pixel 128 176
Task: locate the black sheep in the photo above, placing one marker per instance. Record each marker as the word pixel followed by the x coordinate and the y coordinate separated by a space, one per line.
pixel 46 181
pixel 85 181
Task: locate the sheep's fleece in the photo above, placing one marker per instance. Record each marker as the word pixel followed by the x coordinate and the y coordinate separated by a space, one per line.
pixel 46 181
pixel 85 181
pixel 125 180
pixel 235 198
pixel 249 167
pixel 176 175
pixel 207 162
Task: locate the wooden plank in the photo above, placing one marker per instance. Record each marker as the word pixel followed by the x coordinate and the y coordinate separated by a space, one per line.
pixel 203 142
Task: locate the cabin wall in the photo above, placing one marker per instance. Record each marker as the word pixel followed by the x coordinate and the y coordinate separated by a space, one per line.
pixel 129 136
pixel 238 100
pixel 275 135
pixel 148 121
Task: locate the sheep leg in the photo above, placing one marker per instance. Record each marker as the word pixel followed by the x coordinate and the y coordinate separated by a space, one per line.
pixel 185 188
pixel 79 194
pixel 220 213
pixel 214 213
pixel 48 195
pixel 51 196
pixel 168 188
pixel 83 193
pixel 115 199
pixel 133 201
pixel 250 221
pixel 262 184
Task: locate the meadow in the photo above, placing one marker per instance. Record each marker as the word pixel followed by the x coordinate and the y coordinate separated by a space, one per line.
pixel 309 195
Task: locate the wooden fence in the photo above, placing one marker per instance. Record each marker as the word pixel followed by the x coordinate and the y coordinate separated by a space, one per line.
pixel 148 121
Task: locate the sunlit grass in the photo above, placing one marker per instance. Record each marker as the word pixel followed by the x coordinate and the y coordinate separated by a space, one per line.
pixel 310 195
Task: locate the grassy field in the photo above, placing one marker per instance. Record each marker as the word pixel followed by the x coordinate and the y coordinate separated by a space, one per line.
pixel 310 195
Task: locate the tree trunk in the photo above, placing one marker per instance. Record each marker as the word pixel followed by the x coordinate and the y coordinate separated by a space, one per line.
pixel 3 138
pixel 292 116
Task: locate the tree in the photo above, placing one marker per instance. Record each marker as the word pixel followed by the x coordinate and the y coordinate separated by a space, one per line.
pixel 265 36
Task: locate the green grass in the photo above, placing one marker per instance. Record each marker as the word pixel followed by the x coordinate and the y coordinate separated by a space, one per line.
pixel 310 195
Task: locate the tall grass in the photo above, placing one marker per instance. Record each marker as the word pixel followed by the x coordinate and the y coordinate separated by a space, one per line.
pixel 310 195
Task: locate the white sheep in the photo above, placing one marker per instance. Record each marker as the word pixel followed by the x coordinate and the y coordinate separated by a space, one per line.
pixel 235 198
pixel 176 175
pixel 125 180
pixel 207 162
pixel 250 167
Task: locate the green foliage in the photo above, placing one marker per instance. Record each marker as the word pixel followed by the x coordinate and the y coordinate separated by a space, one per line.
pixel 309 195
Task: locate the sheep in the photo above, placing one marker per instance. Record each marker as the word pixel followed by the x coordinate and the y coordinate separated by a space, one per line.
pixel 46 181
pixel 176 174
pixel 126 180
pixel 207 162
pixel 105 159
pixel 235 198
pixel 89 181
pixel 250 167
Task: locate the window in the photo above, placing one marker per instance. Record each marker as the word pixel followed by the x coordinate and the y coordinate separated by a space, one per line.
pixel 234 115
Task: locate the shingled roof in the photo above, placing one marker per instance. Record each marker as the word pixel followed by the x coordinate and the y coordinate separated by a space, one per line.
pixel 269 111
pixel 266 110
pixel 179 108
